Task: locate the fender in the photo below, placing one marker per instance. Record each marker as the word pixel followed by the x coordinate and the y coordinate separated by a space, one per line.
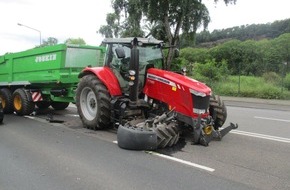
pixel 106 75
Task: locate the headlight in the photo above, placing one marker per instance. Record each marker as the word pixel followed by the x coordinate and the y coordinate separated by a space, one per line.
pixel 197 93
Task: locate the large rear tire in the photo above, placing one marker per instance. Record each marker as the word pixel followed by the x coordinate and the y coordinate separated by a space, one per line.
pixel 93 103
pixel 7 101
pixel 218 111
pixel 22 102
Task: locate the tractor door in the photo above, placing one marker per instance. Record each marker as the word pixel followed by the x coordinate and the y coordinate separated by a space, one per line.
pixel 119 64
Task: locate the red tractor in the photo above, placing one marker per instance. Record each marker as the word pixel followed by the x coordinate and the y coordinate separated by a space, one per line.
pixel 151 107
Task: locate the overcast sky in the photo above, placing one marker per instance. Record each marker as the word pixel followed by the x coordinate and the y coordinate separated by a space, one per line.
pixel 65 19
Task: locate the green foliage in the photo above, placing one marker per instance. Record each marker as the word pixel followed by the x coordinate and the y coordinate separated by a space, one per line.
pixel 167 19
pixel 113 26
pixel 287 82
pixel 253 31
pixel 49 42
pixel 76 41
pixel 271 77
pixel 211 71
pixel 250 58
pixel 250 87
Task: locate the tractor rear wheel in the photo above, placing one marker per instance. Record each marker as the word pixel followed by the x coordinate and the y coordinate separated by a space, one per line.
pixel 93 103
pixel 7 101
pixel 218 111
pixel 22 102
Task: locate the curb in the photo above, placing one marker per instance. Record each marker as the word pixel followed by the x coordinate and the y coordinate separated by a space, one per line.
pixel 271 104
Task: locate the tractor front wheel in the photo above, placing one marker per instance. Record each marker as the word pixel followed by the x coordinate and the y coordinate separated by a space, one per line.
pixel 218 111
pixel 22 102
pixel 93 103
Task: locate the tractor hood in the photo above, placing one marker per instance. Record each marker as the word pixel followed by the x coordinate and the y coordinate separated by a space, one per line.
pixel 181 93
pixel 178 81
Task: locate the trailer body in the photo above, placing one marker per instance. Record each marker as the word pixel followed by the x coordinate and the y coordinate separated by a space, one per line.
pixel 47 74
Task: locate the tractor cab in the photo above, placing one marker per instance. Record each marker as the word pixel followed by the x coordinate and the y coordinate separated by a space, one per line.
pixel 118 58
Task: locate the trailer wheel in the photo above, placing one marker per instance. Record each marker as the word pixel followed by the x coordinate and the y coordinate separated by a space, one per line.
pixel 59 105
pixel 1 112
pixel 7 101
pixel 22 102
pixel 93 103
pixel 218 111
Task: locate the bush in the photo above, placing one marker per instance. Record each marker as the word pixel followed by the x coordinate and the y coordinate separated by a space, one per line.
pixel 211 72
pixel 272 77
pixel 255 87
pixel 287 81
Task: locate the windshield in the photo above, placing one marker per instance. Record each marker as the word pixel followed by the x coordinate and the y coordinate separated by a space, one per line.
pixel 147 55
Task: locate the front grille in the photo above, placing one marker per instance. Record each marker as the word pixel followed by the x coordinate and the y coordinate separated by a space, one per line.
pixel 200 104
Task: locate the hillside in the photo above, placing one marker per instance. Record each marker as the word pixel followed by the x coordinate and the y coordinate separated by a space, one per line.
pixel 244 32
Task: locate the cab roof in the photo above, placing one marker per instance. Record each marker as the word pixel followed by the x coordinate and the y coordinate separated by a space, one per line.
pixel 145 41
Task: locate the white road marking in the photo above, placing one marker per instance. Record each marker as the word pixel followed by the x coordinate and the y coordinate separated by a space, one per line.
pixel 273 119
pixel 261 136
pixel 72 115
pixel 178 160
pixel 181 161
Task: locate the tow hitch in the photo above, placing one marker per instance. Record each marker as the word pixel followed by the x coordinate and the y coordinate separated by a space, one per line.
pixel 216 134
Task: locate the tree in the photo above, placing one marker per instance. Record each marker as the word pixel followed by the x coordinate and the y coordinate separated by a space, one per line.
pixel 76 41
pixel 173 16
pixel 49 42
pixel 283 47
pixel 113 26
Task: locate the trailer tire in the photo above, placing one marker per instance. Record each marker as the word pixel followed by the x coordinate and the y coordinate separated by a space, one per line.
pixel 93 103
pixel 7 101
pixel 218 111
pixel 59 105
pixel 1 113
pixel 22 102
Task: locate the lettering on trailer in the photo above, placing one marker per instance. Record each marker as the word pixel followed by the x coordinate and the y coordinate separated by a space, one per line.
pixel 45 58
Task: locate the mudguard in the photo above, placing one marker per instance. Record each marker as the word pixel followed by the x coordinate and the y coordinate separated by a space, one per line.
pixel 106 75
pixel 134 138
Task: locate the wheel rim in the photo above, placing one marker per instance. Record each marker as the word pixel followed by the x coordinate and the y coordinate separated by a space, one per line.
pixel 88 103
pixel 17 102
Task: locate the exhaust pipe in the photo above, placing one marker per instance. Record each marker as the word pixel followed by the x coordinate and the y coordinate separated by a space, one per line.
pixel 134 72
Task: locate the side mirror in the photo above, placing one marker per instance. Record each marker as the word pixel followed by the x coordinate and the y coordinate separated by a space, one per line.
pixel 176 53
pixel 120 53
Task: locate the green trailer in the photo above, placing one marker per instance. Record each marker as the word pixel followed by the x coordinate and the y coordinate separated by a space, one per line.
pixel 45 76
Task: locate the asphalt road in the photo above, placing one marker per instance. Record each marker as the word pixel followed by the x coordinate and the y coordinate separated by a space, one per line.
pixel 36 154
